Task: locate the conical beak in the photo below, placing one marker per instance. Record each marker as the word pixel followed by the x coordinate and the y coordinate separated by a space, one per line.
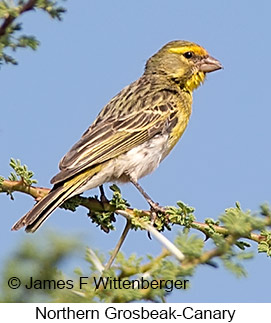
pixel 209 64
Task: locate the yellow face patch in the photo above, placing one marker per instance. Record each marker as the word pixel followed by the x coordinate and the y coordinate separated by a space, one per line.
pixel 193 48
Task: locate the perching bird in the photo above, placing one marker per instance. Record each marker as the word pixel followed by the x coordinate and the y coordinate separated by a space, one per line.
pixel 134 132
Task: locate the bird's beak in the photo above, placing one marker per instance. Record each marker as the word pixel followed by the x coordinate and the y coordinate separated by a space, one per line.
pixel 209 64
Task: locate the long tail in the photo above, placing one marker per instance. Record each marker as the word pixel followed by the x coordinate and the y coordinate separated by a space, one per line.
pixel 40 212
pixel 57 196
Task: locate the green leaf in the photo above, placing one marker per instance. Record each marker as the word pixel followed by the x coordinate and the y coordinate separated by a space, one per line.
pixel 21 172
pixel 241 223
pixel 183 215
pixel 117 200
pixel 10 40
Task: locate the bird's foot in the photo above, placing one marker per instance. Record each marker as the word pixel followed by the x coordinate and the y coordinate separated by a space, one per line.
pixel 156 208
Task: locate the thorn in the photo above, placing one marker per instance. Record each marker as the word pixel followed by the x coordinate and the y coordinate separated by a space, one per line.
pixel 212 264
pixel 206 237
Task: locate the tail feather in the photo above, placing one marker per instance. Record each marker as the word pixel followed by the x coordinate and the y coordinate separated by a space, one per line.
pixel 40 212
pixel 57 196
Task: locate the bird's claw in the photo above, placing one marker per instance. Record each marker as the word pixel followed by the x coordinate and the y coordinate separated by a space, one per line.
pixel 156 208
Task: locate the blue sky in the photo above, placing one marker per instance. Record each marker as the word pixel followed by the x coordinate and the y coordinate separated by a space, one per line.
pixel 224 156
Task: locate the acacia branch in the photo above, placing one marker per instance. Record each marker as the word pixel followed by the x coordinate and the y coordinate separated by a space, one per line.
pixel 19 186
pixel 10 19
pixel 94 204
pixel 204 228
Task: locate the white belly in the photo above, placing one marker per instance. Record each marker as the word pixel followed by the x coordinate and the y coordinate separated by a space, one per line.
pixel 142 160
pixel 137 162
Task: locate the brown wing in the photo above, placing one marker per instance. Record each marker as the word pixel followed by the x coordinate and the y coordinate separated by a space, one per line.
pixel 122 125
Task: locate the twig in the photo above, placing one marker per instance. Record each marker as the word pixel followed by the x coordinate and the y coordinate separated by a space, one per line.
pixel 9 20
pixel 130 271
pixel 204 227
pixel 168 245
pixel 19 186
pixel 210 254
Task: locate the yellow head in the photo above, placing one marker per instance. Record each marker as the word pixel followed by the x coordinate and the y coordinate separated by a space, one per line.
pixel 184 62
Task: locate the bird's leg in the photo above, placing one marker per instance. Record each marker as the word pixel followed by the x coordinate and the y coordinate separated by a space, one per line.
pixel 155 207
pixel 103 198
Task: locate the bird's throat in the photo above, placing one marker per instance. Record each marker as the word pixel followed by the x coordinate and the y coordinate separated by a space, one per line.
pixel 194 81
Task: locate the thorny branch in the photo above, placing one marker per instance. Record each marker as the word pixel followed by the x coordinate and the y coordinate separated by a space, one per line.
pixel 94 204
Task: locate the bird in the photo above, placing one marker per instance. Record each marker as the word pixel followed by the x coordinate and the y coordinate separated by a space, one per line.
pixel 134 132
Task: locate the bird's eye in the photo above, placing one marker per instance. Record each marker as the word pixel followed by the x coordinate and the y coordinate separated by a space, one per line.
pixel 188 55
